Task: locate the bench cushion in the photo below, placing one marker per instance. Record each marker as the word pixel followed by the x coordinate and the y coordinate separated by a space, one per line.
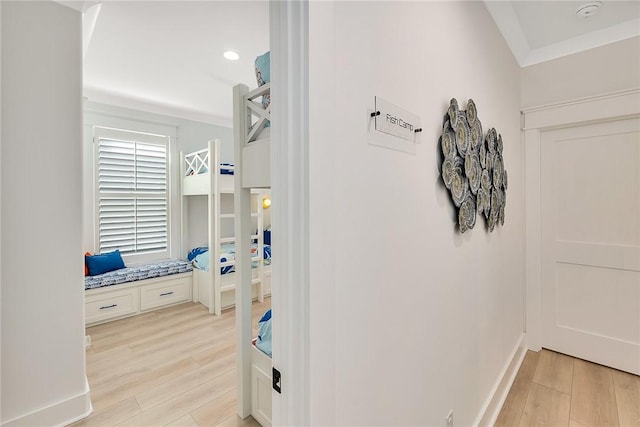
pixel 138 272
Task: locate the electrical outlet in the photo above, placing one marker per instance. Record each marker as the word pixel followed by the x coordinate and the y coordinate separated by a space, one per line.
pixel 450 419
pixel 87 341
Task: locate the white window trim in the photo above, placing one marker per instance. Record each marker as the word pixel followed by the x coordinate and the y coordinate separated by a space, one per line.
pixel 114 133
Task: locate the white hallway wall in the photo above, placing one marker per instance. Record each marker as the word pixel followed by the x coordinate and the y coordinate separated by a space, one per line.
pixel 409 318
pixel 43 375
pixel 0 214
pixel 607 69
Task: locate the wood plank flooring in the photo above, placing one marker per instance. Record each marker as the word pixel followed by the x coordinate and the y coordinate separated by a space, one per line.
pixel 176 367
pixel 171 367
pixel 552 389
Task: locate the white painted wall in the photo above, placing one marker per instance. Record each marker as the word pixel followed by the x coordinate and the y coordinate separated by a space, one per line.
pixel 43 356
pixel 611 68
pixel 322 217
pixel 408 317
pixel 187 136
pixel 0 211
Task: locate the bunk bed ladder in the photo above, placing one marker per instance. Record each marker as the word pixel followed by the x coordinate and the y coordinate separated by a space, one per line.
pixel 184 214
pixel 242 204
pixel 215 300
pixel 260 242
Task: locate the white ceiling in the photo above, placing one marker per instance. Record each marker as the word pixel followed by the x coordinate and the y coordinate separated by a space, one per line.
pixel 539 31
pixel 166 56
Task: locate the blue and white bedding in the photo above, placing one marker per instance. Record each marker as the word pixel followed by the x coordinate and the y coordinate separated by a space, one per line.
pixel 199 257
pixel 225 169
pixel 140 272
pixel 263 76
pixel 263 341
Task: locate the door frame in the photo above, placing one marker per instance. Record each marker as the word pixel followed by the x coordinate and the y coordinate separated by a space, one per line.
pixel 536 120
pixel 289 45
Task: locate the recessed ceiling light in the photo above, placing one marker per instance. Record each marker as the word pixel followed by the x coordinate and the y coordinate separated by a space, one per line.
pixel 587 10
pixel 231 55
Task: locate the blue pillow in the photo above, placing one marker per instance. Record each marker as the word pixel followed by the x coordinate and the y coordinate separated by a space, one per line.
pixel 263 75
pixel 263 69
pixel 196 251
pixel 103 263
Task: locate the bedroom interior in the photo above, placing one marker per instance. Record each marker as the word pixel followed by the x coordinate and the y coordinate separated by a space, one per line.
pixel 204 205
pixel 486 315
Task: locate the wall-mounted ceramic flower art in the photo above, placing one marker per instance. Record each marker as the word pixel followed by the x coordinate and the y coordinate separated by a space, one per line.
pixel 472 167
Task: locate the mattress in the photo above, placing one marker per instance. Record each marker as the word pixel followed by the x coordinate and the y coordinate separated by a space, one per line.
pixel 140 272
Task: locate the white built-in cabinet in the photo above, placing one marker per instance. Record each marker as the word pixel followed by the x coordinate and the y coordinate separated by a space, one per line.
pixel 119 301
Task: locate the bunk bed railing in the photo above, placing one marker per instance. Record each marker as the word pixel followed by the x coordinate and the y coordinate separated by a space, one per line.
pixel 252 136
pixel 233 262
pixel 203 172
pixel 258 115
pixel 197 162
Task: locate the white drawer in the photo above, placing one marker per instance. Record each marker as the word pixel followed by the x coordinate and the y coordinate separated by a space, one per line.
pixel 110 305
pixel 165 293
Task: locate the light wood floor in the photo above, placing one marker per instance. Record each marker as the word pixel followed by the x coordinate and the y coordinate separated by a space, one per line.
pixel 552 389
pixel 173 367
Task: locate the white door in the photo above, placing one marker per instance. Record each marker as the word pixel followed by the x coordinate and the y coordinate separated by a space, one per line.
pixel 590 195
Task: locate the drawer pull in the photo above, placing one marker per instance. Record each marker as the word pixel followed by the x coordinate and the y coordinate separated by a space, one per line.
pixel 166 293
pixel 104 307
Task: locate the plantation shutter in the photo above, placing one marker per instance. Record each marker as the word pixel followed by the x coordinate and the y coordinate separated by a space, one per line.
pixel 133 195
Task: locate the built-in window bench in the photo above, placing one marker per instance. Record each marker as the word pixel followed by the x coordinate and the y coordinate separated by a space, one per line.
pixel 133 290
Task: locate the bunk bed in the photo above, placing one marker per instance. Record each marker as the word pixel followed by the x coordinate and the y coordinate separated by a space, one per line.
pixel 253 171
pixel 203 173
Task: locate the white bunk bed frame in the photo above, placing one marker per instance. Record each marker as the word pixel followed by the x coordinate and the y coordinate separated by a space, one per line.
pixel 206 179
pixel 252 160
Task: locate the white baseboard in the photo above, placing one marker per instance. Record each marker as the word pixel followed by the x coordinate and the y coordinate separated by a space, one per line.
pixel 59 414
pixel 491 409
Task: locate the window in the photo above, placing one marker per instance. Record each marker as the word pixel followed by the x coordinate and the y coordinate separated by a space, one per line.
pixel 132 194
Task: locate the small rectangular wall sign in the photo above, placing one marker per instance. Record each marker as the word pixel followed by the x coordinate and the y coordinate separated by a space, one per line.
pixel 395 121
